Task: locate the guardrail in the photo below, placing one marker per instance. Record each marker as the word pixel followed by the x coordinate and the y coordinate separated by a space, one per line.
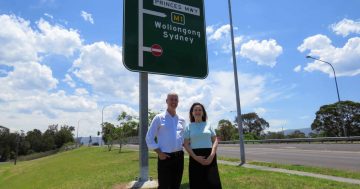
pixel 135 140
pixel 298 140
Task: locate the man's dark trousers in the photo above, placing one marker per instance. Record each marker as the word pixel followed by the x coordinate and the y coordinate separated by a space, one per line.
pixel 170 170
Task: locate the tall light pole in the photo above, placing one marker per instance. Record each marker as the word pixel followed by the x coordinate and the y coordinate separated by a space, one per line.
pixel 77 132
pixel 17 147
pixel 238 108
pixel 102 115
pixel 337 89
pixel 102 120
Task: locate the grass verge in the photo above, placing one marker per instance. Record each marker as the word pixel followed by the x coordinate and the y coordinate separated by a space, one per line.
pixel 309 169
pixel 94 168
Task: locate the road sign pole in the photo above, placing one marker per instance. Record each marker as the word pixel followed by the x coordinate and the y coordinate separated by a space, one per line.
pixel 143 99
pixel 143 127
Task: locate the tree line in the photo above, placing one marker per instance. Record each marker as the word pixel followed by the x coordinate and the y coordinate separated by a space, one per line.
pixel 21 143
pixel 332 120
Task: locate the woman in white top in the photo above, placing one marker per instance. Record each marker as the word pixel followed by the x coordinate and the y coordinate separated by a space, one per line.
pixel 201 143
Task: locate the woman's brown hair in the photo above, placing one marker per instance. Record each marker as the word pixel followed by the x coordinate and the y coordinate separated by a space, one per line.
pixel 192 118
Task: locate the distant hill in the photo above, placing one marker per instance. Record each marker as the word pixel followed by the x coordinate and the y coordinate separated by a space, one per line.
pixel 304 130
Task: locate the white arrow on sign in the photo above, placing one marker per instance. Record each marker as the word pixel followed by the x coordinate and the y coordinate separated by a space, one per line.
pixel 141 48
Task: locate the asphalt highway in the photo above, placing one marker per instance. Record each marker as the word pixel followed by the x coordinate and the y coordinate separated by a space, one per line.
pixel 339 156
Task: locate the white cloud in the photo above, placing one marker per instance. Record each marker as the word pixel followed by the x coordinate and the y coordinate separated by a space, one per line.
pixel 220 41
pixel 58 40
pixel 81 92
pixel 315 43
pixel 68 79
pixel 28 92
pixel 219 33
pixel 87 17
pixel 260 111
pixel 20 43
pixel 216 92
pixel 227 47
pixel 262 52
pixel 344 59
pixel 100 65
pixel 112 111
pixel 48 15
pixel 210 30
pixel 61 101
pixel 297 68
pixel 345 27
pixel 30 76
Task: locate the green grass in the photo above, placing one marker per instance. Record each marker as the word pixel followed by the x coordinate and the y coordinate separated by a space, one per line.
pixel 320 170
pixel 310 169
pixel 94 168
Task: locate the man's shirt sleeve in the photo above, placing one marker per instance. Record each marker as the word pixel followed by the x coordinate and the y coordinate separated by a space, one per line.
pixel 152 133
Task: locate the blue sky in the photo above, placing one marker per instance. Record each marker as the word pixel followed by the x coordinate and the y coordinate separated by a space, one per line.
pixel 61 62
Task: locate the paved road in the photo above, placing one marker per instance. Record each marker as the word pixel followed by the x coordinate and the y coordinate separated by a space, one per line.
pixel 339 156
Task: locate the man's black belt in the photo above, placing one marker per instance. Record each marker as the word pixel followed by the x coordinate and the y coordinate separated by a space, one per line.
pixel 176 154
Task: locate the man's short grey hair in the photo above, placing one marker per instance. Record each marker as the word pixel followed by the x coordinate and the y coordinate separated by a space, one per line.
pixel 172 94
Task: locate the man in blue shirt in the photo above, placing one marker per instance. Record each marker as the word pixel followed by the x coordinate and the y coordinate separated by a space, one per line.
pixel 168 129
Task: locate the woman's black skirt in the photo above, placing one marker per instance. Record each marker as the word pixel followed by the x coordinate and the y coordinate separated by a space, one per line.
pixel 203 176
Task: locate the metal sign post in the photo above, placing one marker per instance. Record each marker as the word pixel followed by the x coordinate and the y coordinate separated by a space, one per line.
pixel 143 127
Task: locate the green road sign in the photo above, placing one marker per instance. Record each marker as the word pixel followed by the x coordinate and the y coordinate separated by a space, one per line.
pixel 165 37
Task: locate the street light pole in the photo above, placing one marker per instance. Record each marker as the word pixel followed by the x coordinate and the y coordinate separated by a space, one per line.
pixel 77 133
pixel 238 108
pixel 102 120
pixel 17 147
pixel 337 89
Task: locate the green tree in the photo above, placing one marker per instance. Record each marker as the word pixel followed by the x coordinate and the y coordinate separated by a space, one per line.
pixel 274 135
pixel 48 138
pixel 34 137
pixel 5 143
pixel 253 124
pixel 120 137
pixel 296 134
pixel 109 135
pixel 130 126
pixel 332 119
pixel 64 135
pixel 226 130
pixel 151 116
